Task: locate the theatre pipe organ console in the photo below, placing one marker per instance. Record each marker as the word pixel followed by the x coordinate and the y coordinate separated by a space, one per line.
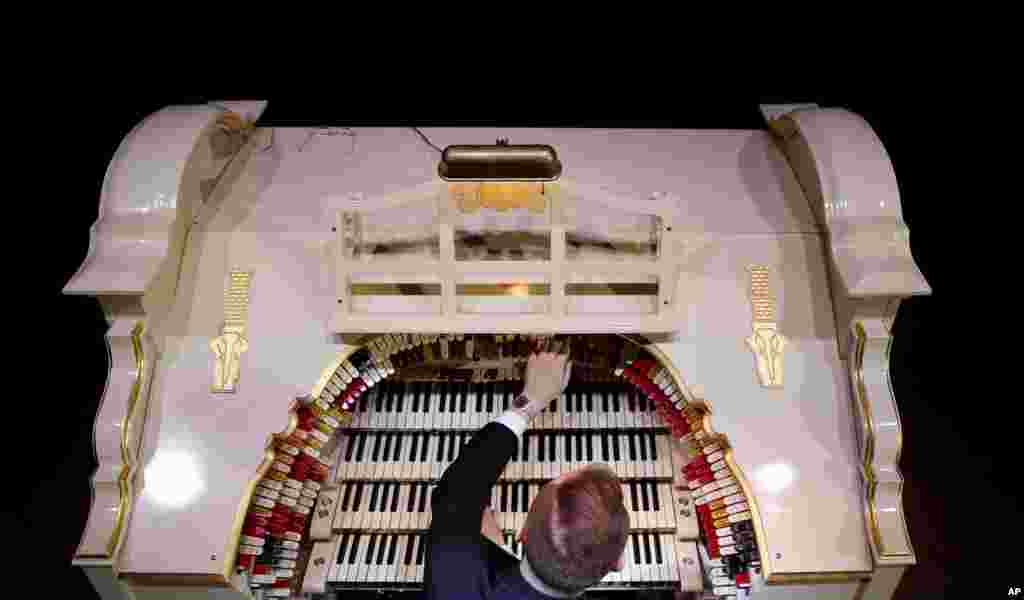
pixel 307 324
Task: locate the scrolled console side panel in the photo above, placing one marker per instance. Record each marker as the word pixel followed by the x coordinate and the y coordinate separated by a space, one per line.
pixel 881 441
pixel 849 180
pixel 118 433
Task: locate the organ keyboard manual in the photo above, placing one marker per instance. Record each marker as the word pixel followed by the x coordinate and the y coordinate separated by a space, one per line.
pixel 308 324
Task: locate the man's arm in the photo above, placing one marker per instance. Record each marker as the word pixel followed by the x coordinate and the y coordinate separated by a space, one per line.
pixel 465 487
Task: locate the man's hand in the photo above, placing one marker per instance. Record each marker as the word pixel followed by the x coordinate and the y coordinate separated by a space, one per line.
pixel 547 375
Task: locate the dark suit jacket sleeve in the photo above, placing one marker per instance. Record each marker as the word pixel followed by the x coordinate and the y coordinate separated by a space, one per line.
pixel 459 562
pixel 465 488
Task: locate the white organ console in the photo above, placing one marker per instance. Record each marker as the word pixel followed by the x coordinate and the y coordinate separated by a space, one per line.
pixel 307 324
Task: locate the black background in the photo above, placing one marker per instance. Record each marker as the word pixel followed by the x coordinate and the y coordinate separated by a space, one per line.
pixel 937 440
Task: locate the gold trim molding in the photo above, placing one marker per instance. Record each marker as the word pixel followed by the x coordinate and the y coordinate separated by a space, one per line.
pixel 871 481
pixel 127 462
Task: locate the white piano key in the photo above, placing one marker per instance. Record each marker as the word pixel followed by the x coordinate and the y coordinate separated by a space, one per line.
pixel 362 516
pixel 387 570
pixel 421 557
pixel 558 464
pixel 357 569
pixel 624 454
pixel 435 464
pixel 396 568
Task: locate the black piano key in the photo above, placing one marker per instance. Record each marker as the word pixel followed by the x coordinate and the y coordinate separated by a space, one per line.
pixel 479 392
pixel 370 548
pixel 382 548
pixel 378 443
pixel 641 399
pixel 581 398
pixel 457 395
pixel 440 447
pixel 506 392
pixel 605 404
pixel 567 447
pixel 443 397
pixel 424 446
pixel 541 447
pixel 524 500
pixel 631 398
pixel 643 497
pixel 553 405
pixel 353 439
pixel 392 397
pixel 414 446
pixel 654 496
pixel 514 497
pixel 632 495
pixel 656 542
pixel 489 391
pixel 614 441
pixel 632 446
pixel 653 445
pixel 341 548
pixel 357 496
pixel 410 540
pixel 399 442
pixel 641 440
pixel 504 497
pixel 346 496
pixel 378 402
pixel 451 446
pixel 647 548
pixel 590 399
pixel 374 491
pixel 424 492
pixel 385 455
pixel 357 541
pixel 590 448
pixel 384 505
pixel 616 402
pixel 603 437
pixel 636 548
pixel 416 388
pixel 400 406
pixel 394 546
pixel 579 446
pixel 421 549
pixel 552 440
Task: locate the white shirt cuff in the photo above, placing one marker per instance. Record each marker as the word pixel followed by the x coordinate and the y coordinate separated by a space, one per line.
pixel 514 421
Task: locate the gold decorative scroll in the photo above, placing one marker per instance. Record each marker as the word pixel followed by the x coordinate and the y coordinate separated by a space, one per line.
pixel 231 343
pixel 471 196
pixel 765 342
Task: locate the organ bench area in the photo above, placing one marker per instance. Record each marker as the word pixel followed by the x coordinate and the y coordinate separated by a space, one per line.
pixel 308 323
pixel 391 432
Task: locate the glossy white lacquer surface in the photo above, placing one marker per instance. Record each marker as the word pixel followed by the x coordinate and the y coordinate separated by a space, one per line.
pixel 795 444
pixel 731 186
pixel 142 193
pixel 860 203
pixel 110 428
